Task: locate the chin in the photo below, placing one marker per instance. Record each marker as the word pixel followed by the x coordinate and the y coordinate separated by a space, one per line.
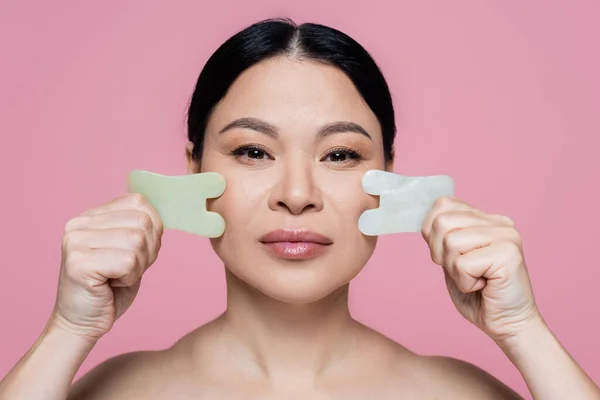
pixel 295 295
pixel 298 284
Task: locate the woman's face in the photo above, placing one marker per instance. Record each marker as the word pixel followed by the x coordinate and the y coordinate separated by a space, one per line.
pixel 293 140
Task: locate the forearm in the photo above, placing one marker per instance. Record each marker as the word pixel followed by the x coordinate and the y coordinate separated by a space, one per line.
pixel 47 370
pixel 547 368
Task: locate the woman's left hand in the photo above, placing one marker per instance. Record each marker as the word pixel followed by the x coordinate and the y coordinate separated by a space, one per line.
pixel 482 259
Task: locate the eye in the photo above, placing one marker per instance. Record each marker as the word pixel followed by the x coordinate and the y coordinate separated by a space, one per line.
pixel 251 152
pixel 342 155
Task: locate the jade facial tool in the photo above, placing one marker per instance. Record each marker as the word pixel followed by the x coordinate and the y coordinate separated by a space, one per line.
pixel 181 200
pixel 404 201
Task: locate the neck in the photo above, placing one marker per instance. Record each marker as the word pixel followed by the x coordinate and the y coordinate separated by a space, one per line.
pixel 287 339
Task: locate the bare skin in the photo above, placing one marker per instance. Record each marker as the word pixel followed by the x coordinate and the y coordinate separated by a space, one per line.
pixel 287 332
pixel 200 367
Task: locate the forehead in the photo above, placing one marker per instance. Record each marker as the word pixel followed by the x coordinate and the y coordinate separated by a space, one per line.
pixel 292 93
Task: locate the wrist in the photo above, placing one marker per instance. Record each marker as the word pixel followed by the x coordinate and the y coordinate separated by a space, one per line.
pixel 547 368
pixel 47 370
pixel 535 332
pixel 60 327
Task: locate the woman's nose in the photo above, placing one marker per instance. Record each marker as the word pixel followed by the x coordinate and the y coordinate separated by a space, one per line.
pixel 296 190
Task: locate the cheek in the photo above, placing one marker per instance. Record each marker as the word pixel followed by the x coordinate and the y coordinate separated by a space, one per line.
pixel 348 201
pixel 239 203
pixel 347 197
pixel 237 206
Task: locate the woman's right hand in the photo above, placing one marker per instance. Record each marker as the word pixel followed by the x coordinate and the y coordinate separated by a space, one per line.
pixel 105 252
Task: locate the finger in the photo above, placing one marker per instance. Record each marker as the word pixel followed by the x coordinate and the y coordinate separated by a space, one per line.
pixel 442 205
pixel 468 272
pixel 464 240
pixel 126 218
pixel 95 267
pixel 445 225
pixel 130 201
pixel 473 270
pixel 127 200
pixel 121 218
pixel 456 292
pixel 116 238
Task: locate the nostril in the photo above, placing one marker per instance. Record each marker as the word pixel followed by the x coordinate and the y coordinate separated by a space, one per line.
pixel 296 209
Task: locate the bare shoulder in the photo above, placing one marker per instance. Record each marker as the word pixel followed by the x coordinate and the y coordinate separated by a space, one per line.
pixel 169 373
pixel 126 376
pixel 412 375
pixel 453 378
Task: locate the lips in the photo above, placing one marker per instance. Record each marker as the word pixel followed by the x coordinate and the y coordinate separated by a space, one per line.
pixel 295 245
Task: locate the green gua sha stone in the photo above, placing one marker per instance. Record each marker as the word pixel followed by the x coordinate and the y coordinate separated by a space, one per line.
pixel 181 200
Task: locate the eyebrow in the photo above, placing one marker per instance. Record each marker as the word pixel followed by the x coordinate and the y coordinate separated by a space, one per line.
pixel 265 128
pixel 252 124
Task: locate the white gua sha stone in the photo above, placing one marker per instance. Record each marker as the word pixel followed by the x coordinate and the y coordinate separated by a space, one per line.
pixel 403 201
pixel 181 200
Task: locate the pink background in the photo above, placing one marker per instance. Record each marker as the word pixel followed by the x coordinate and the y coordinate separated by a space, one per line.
pixel 502 95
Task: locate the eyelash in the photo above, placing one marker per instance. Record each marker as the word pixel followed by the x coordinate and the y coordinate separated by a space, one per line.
pixel 351 154
pixel 239 151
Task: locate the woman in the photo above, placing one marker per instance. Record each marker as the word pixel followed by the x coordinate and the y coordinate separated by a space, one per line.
pixel 291 117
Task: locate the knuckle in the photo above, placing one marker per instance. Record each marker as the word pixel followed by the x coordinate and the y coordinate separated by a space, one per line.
pixel 514 248
pixel 464 285
pixel 153 254
pixel 439 222
pixel 458 265
pixel 70 239
pixel 145 222
pixel 136 199
pixel 425 229
pixel 70 225
pixel 513 257
pixel 445 220
pixel 129 279
pixel 450 241
pixel 132 270
pixel 136 238
pixel 159 227
pixel 434 257
pixel 129 260
pixel 75 261
pixel 515 236
pixel 507 221
pixel 442 202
